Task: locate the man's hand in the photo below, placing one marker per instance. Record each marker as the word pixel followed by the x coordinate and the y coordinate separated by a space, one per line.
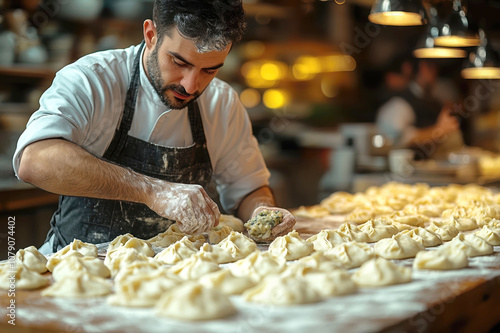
pixel 446 122
pixel 189 205
pixel 282 228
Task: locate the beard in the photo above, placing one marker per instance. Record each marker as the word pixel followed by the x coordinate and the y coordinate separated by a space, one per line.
pixel 161 88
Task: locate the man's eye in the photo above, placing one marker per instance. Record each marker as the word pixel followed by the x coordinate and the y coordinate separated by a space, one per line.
pixel 178 64
pixel 210 71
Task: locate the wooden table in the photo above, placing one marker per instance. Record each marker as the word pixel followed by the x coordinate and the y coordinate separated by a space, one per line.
pixel 466 300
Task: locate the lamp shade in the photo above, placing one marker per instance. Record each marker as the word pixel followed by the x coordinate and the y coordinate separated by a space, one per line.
pixel 426 48
pixel 455 31
pixel 483 62
pixel 398 13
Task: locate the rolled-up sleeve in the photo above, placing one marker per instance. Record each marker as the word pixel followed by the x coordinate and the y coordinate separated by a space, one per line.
pixel 240 167
pixel 64 112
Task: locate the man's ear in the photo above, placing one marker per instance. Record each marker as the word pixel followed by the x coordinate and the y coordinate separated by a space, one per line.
pixel 150 34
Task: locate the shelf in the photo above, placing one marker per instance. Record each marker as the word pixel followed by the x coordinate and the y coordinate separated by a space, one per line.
pixel 27 72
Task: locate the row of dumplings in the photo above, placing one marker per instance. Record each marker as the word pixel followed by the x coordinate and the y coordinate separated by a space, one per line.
pixel 394 200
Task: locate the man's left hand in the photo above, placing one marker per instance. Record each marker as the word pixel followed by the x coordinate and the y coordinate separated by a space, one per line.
pixel 284 227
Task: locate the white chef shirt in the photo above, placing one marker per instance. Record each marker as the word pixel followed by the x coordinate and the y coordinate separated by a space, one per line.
pixel 85 103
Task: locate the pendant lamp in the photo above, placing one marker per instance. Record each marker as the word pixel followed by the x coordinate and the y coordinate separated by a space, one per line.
pixel 455 31
pixel 483 62
pixel 425 47
pixel 398 13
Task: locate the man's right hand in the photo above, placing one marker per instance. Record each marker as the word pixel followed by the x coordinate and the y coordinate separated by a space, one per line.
pixel 189 205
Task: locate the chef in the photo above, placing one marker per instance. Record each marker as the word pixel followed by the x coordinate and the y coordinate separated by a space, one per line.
pixel 131 138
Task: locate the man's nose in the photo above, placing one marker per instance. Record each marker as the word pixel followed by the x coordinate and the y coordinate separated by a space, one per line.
pixel 190 81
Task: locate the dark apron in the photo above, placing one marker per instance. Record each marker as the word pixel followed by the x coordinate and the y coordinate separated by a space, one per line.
pixel 96 220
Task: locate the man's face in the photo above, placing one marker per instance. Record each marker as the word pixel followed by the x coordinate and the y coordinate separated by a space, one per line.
pixel 178 72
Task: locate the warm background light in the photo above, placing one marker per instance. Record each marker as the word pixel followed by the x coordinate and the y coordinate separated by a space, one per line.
pixel 250 98
pixel 396 18
pixel 275 98
pixel 439 52
pixel 491 73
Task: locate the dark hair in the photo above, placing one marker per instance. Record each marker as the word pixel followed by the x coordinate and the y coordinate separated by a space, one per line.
pixel 211 24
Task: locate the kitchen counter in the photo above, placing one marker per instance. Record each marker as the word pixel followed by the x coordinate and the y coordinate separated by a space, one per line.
pixel 465 300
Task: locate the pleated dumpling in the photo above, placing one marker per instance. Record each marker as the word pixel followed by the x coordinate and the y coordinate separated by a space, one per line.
pixel 231 221
pixel 80 285
pixel 218 234
pixel 226 282
pixel 290 246
pixel 192 301
pixel 140 245
pixel 174 234
pixel 377 230
pixel 423 236
pixel 86 249
pixel 216 253
pixel 137 268
pixel 33 259
pixel 142 289
pixel 238 245
pixel 489 234
pixel 446 231
pixel 462 224
pixel 258 265
pixel 326 239
pixel 378 272
pixel 72 265
pixel 121 258
pixel 443 258
pixel 397 247
pixel 279 290
pixel 351 254
pixel 317 262
pixel 476 246
pixel 352 232
pixel 194 267
pixel 176 252
pixel 19 276
pixel 333 283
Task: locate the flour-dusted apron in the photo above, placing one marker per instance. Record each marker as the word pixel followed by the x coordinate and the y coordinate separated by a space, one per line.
pixel 97 220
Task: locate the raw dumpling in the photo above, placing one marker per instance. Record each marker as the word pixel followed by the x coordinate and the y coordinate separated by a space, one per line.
pixel 326 239
pixel 19 276
pixel 192 301
pixel 445 231
pixel 352 232
pixel 417 220
pixel 226 282
pixel 216 253
pixel 379 272
pixel 137 268
pixel 176 252
pixel 55 260
pixel 142 290
pixel 489 234
pixel 334 283
pixel 121 258
pixel 291 246
pixel 315 211
pixel 238 245
pixel 231 221
pixel 258 265
pixel 33 259
pixel 81 285
pixel 87 249
pixel 279 290
pixel 444 258
pixel 462 224
pixel 397 247
pixel 194 267
pixel 260 226
pixel 174 234
pixel 70 266
pixel 141 246
pixel 377 231
pixel 314 263
pixel 119 241
pixel 423 236
pixel 476 246
pixel 360 215
pixel 351 254
pixel 217 234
